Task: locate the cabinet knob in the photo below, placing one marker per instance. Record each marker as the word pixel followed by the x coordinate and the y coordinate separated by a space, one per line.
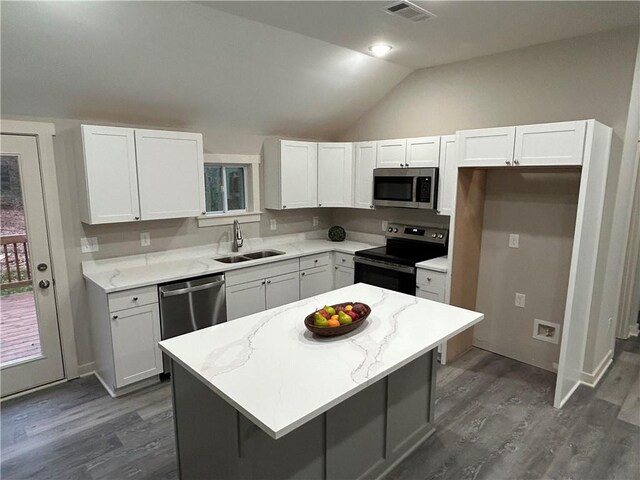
pixel 417 287
pixel 370 206
pixel 335 268
pixel 284 206
pixel 428 279
pixel 507 162
pixel 268 282
pixel 516 162
pixel 204 213
pixel 319 204
pixel 263 282
pixel 315 261
pixel 344 260
pixel 136 218
pixel 135 299
pixel 303 274
pixel 115 317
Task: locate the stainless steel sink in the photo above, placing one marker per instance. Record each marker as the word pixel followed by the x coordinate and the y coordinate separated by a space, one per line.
pixel 262 254
pixel 245 257
pixel 233 259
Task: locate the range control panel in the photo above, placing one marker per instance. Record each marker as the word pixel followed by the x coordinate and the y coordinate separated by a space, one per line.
pixel 417 232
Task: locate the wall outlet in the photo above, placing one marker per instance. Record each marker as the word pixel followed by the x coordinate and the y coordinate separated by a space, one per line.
pixel 272 224
pixel 520 298
pixel 385 225
pixel 314 220
pixel 145 239
pixel 514 240
pixel 89 245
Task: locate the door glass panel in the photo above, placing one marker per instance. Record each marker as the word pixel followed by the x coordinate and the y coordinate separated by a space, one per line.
pixel 394 188
pixel 19 334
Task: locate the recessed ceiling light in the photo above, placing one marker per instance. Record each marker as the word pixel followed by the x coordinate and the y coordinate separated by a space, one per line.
pixel 380 49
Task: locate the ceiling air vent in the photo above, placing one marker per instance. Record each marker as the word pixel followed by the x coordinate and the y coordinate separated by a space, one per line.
pixel 409 11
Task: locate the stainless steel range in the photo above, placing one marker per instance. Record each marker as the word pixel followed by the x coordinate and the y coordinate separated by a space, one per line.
pixel 394 265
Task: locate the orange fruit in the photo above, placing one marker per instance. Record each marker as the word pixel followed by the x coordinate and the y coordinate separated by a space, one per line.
pixel 333 322
pixel 334 317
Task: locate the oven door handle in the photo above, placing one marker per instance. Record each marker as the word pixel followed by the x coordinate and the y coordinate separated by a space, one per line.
pixel 386 265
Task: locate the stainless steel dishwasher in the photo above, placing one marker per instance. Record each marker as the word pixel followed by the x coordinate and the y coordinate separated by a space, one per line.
pixel 190 305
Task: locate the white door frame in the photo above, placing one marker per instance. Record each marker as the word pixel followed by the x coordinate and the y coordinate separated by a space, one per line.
pixel 44 133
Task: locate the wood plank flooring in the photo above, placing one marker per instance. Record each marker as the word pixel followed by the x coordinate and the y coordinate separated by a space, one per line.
pixel 494 420
pixel 19 335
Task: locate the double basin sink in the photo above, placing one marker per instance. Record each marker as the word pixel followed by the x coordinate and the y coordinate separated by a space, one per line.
pixel 245 257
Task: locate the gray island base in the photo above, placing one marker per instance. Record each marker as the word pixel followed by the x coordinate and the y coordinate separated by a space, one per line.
pixel 364 436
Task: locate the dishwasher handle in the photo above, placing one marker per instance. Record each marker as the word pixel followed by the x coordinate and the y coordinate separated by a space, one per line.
pixel 183 291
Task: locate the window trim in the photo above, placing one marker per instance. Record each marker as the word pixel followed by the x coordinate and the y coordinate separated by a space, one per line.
pixel 252 213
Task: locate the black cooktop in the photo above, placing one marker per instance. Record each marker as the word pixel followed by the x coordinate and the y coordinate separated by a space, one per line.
pixel 404 252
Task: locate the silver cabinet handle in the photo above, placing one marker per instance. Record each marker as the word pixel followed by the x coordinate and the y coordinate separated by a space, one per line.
pixel 44 284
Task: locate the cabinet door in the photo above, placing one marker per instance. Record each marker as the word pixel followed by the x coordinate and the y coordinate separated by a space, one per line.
pixel 315 281
pixel 170 174
pixel 487 147
pixel 283 289
pixel 421 292
pixel 423 152
pixel 335 174
pixel 551 144
pixel 135 333
pixel 111 179
pixel 447 175
pixel 391 153
pixel 343 276
pixel 245 299
pixel 365 162
pixel 299 174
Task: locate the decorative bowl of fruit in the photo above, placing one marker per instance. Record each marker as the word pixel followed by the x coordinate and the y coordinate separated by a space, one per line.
pixel 338 319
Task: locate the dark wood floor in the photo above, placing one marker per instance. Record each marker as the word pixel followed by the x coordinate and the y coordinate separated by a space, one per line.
pixel 494 420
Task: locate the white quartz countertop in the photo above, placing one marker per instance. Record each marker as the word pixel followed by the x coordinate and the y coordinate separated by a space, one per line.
pixel 440 264
pixel 273 370
pixel 133 271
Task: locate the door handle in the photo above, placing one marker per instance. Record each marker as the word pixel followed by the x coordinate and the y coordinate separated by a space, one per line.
pixel 44 284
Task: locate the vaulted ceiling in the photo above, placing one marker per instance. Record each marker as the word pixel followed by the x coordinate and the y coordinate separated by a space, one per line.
pixel 296 68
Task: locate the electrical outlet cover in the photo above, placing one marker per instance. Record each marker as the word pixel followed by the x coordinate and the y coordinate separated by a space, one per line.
pixel 520 299
pixel 145 239
pixel 514 240
pixel 272 224
pixel 89 245
pixel 315 220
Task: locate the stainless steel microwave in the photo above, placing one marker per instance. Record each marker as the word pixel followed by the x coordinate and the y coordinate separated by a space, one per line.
pixel 405 187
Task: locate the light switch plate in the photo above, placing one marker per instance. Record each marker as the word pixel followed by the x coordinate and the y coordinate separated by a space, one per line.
pixel 520 298
pixel 315 220
pixel 145 239
pixel 272 224
pixel 514 240
pixel 89 245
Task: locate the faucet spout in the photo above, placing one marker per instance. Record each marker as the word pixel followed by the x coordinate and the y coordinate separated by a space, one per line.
pixel 237 236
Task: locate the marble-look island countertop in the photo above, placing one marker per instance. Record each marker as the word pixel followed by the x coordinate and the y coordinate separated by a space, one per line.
pixel 272 369
pixel 133 271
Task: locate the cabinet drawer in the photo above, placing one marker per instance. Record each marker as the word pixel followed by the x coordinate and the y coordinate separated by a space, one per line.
pixel 314 261
pixel 433 281
pixel 344 260
pixel 260 272
pixel 133 298
pixel 435 296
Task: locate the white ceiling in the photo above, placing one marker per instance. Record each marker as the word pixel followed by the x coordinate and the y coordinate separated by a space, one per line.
pixel 461 30
pixel 292 68
pixel 175 64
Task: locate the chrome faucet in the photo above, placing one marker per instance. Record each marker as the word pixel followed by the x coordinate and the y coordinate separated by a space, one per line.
pixel 237 236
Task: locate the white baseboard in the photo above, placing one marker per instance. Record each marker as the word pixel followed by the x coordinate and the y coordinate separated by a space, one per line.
pixel 592 379
pixel 86 369
pixel 633 330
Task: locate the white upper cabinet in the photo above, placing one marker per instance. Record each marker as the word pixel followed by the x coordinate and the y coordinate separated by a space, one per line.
pixel 423 152
pixel 550 144
pixel 448 175
pixel 132 174
pixel 365 162
pixel 290 174
pixel 170 174
pixel 486 147
pixel 110 178
pixel 391 153
pixel 335 174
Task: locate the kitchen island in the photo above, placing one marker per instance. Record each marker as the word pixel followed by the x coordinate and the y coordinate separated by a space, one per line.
pixel 261 397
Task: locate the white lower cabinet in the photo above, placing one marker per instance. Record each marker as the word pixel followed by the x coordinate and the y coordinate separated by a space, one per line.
pixel 342 276
pixel 282 289
pixel 135 333
pixel 315 281
pixel 245 299
pixel 432 285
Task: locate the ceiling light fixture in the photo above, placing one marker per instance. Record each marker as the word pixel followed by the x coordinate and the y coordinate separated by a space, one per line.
pixel 380 49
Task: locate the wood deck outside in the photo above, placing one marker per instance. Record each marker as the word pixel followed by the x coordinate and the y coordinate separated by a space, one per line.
pixel 19 336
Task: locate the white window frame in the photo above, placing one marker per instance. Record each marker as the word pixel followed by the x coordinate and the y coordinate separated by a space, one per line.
pixel 225 200
pixel 251 213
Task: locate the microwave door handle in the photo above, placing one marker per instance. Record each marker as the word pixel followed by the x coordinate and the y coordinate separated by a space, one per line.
pixel 415 189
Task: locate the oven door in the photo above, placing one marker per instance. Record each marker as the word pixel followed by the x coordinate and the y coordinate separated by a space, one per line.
pixel 394 187
pixel 399 278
